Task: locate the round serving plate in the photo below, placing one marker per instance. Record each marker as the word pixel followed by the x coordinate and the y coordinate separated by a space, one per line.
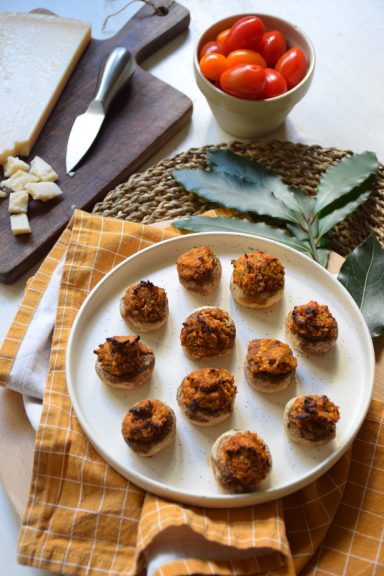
pixel 182 472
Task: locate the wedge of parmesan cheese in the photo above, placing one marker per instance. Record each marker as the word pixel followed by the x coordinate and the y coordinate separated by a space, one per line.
pixel 38 54
pixel 19 180
pixel 18 202
pixel 43 190
pixel 42 170
pixel 14 164
pixel 20 224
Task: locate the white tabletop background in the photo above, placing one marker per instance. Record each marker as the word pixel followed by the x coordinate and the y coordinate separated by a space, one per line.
pixel 344 107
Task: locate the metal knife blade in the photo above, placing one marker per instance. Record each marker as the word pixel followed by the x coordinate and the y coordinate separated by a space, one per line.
pixel 115 73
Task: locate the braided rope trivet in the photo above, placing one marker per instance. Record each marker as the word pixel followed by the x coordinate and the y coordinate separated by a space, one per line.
pixel 153 195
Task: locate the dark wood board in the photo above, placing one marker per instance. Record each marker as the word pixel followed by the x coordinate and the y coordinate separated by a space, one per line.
pixel 141 120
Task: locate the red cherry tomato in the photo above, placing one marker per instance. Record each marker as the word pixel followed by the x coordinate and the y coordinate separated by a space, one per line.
pixel 221 38
pixel 243 81
pixel 212 48
pixel 213 65
pixel 272 46
pixel 293 66
pixel 244 34
pixel 245 57
pixel 275 84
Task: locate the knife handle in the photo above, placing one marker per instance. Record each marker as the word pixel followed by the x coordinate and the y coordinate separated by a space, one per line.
pixel 115 73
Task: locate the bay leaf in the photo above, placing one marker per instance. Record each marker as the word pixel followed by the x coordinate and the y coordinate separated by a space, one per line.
pixel 222 224
pixel 261 176
pixel 233 192
pixel 323 256
pixel 342 178
pixel 330 220
pixel 362 274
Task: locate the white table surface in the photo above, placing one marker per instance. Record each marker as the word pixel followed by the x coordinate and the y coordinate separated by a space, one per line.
pixel 344 107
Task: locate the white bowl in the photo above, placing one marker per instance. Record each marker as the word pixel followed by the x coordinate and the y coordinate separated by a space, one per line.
pixel 251 118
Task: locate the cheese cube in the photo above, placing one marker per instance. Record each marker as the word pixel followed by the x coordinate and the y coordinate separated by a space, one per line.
pixel 19 180
pixel 18 202
pixel 3 194
pixel 38 54
pixel 20 224
pixel 42 170
pixel 14 164
pixel 43 190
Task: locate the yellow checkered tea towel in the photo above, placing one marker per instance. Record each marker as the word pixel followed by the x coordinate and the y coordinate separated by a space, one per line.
pixel 83 518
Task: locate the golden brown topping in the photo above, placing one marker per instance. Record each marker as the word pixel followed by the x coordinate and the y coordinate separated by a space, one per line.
pixel 208 389
pixel 315 415
pixel 208 332
pixel 270 356
pixel 244 458
pixel 147 420
pixel 121 355
pixel 258 272
pixel 197 264
pixel 313 321
pixel 145 301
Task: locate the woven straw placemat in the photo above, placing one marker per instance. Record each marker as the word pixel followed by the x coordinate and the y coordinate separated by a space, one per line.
pixel 154 195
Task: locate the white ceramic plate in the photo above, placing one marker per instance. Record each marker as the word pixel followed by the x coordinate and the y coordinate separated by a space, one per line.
pixel 181 472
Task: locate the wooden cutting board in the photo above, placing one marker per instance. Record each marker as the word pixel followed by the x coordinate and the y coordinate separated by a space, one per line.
pixel 141 120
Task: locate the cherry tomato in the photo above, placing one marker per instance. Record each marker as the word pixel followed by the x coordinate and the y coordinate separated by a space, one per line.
pixel 293 66
pixel 244 34
pixel 243 81
pixel 213 65
pixel 275 84
pixel 272 46
pixel 221 38
pixel 212 48
pixel 245 57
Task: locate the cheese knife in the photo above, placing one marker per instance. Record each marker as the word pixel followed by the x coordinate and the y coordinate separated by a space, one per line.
pixel 114 75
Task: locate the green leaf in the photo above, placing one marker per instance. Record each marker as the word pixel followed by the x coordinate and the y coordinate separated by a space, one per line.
pixel 207 224
pixel 262 177
pixel 323 256
pixel 327 222
pixel 342 178
pixel 362 274
pixel 305 205
pixel 233 192
pixel 298 232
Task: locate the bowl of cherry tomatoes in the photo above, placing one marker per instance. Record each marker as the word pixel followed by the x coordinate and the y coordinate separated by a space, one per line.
pixel 253 69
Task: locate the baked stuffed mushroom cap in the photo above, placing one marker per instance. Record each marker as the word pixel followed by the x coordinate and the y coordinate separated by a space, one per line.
pixel 240 461
pixel 124 362
pixel 207 396
pixel 312 328
pixel 257 280
pixel 270 365
pixel 144 306
pixel 207 333
pixel 199 270
pixel 311 420
pixel 148 427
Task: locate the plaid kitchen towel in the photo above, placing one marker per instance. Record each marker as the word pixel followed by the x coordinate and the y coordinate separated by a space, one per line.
pixel 83 518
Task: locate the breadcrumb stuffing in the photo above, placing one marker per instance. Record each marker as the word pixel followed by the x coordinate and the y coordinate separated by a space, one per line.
pixel 270 356
pixel 313 321
pixel 146 302
pixel 208 332
pixel 244 459
pixel 121 355
pixel 198 264
pixel 258 272
pixel 208 389
pixel 147 420
pixel 315 415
